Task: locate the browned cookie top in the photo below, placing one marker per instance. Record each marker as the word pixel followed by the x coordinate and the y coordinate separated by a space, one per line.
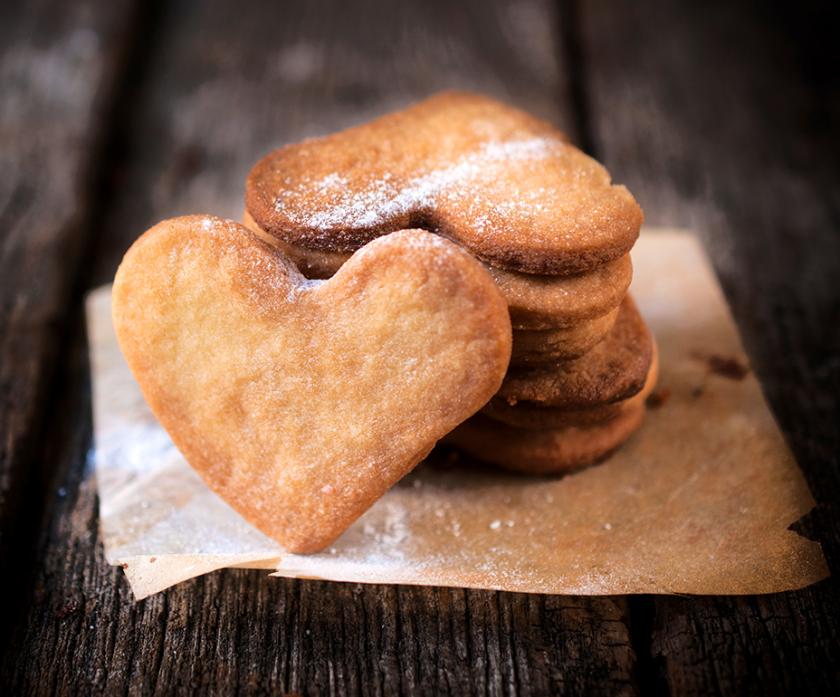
pixel 506 185
pixel 614 369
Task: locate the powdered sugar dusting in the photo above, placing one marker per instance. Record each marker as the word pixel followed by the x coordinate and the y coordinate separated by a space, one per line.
pixel 329 203
pixel 264 271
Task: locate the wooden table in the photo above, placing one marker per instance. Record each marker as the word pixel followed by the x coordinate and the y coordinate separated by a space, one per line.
pixel 116 113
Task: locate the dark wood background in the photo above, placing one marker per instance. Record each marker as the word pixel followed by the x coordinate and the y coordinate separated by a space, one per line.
pixel 720 116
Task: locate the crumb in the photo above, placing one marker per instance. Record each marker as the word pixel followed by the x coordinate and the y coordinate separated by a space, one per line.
pixel 658 398
pixel 728 367
pixel 731 367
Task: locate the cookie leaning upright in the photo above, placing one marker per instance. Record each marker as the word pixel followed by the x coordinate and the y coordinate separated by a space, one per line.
pixel 297 401
pixel 507 186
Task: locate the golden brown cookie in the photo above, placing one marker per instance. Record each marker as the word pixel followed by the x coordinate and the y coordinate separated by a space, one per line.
pixel 505 185
pixel 534 417
pixel 297 400
pixel 535 301
pixel 614 369
pixel 545 451
pixel 551 345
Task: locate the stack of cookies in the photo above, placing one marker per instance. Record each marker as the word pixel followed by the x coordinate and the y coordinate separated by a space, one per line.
pixel 552 230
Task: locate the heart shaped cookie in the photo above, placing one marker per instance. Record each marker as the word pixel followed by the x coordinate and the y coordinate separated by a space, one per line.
pixel 301 402
pixel 507 186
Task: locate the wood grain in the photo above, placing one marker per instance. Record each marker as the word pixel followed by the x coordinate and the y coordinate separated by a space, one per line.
pixel 221 87
pixel 58 68
pixel 719 117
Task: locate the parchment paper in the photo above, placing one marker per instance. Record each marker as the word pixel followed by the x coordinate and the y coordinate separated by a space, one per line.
pixel 699 501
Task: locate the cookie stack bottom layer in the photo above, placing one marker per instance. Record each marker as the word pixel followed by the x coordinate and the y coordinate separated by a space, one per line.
pixel 533 439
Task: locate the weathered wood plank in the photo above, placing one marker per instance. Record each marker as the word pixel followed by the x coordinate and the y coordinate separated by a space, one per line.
pixel 57 68
pixel 221 88
pixel 722 116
